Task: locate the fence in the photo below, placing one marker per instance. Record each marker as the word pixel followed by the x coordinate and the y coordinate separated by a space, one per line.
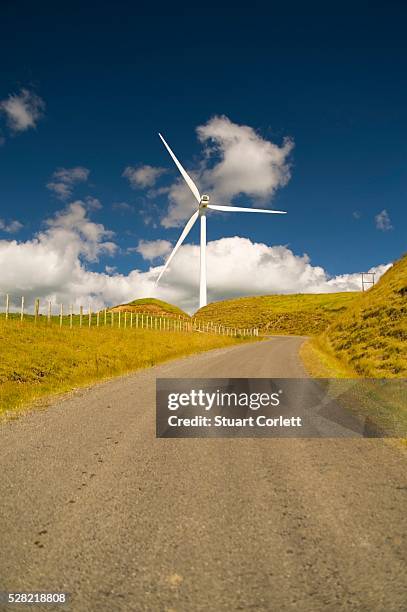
pixel 57 314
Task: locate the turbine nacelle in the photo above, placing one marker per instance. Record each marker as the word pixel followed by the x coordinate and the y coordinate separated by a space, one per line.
pixel 204 201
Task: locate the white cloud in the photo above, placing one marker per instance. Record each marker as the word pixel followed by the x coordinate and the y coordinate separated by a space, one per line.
pixel 123 207
pixel 383 222
pixel 153 249
pixel 22 110
pixel 12 227
pixel 110 269
pixel 64 180
pixel 142 176
pixel 55 265
pixel 238 267
pixel 236 161
pixel 93 203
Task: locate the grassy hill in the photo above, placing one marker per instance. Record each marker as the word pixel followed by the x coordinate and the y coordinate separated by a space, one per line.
pixel 371 335
pixel 151 306
pixel 304 314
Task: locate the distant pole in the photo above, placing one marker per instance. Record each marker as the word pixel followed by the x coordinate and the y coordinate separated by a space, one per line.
pixel 7 305
pixel 368 282
pixel 49 311
pixel 36 309
pixel 22 308
pixel 80 315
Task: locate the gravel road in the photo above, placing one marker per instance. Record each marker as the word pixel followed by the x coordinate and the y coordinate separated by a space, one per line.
pixel 94 505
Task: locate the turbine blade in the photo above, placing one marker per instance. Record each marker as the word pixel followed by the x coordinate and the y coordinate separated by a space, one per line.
pixel 181 239
pixel 242 209
pixel 186 176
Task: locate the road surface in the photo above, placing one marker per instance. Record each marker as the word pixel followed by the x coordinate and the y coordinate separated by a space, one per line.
pixel 94 505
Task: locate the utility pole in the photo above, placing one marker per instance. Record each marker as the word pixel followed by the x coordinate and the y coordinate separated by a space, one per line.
pixel 367 281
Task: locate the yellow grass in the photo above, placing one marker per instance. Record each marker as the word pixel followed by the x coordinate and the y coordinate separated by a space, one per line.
pixel 321 362
pixel 152 306
pixel 40 359
pixel 370 337
pixel 301 314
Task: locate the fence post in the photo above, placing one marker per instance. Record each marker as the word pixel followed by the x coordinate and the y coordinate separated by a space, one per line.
pixel 142 321
pixel 111 318
pixel 36 309
pixel 49 312
pixel 125 320
pixel 71 316
pixel 105 316
pixel 120 318
pixel 80 315
pixel 97 318
pixel 131 319
pixel 7 305
pixel 22 308
pixel 136 320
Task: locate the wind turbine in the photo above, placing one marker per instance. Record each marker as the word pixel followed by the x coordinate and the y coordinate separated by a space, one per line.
pixel 203 204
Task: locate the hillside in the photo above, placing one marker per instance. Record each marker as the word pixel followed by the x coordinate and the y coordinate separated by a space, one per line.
pixel 151 306
pixel 304 314
pixel 371 336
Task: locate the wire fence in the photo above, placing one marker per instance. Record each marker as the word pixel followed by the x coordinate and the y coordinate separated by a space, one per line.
pixel 62 316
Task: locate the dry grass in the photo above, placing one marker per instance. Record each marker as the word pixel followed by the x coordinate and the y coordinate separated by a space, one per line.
pixel 370 337
pixel 152 306
pixel 302 314
pixel 40 359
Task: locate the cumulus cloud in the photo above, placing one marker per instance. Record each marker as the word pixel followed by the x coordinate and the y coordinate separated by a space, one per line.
pixel 142 176
pixel 22 110
pixel 64 180
pixel 12 227
pixel 383 221
pixel 56 264
pixel 237 267
pixel 153 249
pixel 236 161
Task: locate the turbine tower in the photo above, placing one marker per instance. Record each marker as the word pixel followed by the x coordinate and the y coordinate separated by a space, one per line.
pixel 203 205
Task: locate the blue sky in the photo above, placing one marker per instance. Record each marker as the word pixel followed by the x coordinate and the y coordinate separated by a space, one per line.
pixel 109 78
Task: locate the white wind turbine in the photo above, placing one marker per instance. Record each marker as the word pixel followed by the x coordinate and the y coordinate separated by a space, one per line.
pixel 203 204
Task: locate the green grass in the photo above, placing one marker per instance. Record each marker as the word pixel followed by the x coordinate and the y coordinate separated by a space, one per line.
pixel 370 337
pixel 152 306
pixel 301 314
pixel 41 359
